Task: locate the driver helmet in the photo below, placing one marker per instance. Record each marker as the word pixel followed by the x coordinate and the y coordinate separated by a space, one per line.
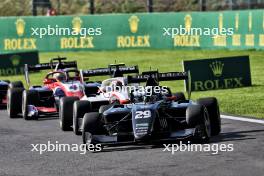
pixel 117 85
pixel 59 76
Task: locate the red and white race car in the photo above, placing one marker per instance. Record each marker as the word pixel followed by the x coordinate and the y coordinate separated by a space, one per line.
pixel 112 90
pixel 63 81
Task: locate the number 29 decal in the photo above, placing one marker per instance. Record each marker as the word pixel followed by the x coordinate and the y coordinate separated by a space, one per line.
pixel 143 114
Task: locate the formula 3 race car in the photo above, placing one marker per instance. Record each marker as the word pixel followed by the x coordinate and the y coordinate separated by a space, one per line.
pixel 157 117
pixel 72 108
pixel 63 80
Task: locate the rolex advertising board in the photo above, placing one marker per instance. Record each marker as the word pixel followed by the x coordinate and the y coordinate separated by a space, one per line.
pixel 13 63
pixel 129 31
pixel 219 73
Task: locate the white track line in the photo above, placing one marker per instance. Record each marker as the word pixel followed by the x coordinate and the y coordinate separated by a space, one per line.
pixel 242 119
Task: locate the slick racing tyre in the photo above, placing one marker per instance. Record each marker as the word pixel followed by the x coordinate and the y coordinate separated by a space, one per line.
pixel 197 117
pixel 16 84
pixel 212 107
pixel 29 97
pixel 66 112
pixel 14 101
pixel 91 126
pixel 179 96
pixel 79 109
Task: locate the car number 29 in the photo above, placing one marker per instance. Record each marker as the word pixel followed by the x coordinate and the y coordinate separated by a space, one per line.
pixel 142 114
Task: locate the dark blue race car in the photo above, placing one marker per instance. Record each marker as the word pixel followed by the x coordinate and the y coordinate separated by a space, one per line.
pixel 153 117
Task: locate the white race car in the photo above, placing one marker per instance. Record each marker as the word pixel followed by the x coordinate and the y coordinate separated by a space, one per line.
pixel 112 90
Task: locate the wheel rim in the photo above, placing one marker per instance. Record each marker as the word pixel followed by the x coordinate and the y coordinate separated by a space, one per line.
pixel 23 106
pixel 60 117
pixel 8 103
pixel 87 138
pixel 75 123
pixel 60 124
pixel 207 124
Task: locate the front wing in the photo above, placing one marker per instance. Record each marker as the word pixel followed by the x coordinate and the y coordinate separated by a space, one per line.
pixel 129 139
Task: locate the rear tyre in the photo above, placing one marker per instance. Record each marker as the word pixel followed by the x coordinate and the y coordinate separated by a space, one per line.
pixel 14 101
pixel 16 84
pixel 79 109
pixel 91 126
pixel 179 96
pixel 29 97
pixel 66 112
pixel 197 117
pixel 212 107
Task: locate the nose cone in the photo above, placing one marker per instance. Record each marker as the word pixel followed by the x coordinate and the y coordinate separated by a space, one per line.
pixel 143 117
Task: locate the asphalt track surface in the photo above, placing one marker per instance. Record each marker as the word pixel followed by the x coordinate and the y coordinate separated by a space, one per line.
pixel 17 159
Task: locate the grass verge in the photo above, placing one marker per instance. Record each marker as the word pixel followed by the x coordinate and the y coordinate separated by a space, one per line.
pixel 247 101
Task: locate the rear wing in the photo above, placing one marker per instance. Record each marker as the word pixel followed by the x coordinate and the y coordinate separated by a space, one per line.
pixel 155 76
pixel 54 64
pixel 168 76
pixel 114 70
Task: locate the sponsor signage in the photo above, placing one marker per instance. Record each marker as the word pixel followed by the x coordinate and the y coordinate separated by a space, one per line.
pixel 130 31
pixel 219 73
pixel 131 38
pixel 13 63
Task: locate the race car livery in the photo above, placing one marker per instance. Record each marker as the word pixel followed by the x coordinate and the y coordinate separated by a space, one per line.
pixel 63 80
pixel 156 117
pixel 111 91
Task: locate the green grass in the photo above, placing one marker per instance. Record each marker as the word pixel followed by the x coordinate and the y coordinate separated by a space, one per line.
pixel 246 101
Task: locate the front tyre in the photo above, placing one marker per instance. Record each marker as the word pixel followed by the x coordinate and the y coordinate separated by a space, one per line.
pixel 79 109
pixel 29 97
pixel 14 101
pixel 197 117
pixel 66 112
pixel 91 126
pixel 16 84
pixel 212 107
